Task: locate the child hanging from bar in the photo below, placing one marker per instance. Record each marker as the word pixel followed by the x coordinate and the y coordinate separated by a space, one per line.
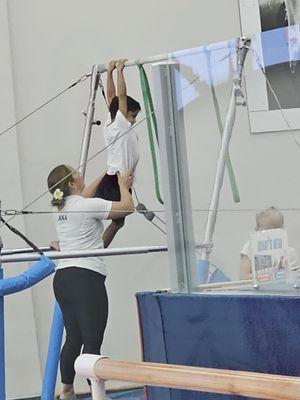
pixel 121 139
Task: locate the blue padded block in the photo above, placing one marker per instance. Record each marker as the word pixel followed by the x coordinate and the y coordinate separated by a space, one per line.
pixel 218 276
pixel 2 341
pixel 153 340
pixel 28 278
pixel 240 332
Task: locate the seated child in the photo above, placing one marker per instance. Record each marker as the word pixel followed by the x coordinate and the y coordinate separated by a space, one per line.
pixel 271 218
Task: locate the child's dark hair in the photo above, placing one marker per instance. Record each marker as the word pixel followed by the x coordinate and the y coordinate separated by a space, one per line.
pixel 132 105
pixel 59 178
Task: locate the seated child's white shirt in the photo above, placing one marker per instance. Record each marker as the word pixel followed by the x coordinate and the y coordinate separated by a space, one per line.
pixel 123 152
pixel 292 255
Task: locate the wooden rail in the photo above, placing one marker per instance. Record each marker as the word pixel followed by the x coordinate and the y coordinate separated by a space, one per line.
pixel 250 384
pixel 227 285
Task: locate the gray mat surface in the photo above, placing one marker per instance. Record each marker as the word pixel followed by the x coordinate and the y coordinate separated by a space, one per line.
pixel 136 394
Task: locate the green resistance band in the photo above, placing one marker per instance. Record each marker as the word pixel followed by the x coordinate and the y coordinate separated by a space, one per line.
pixel 151 121
pixel 233 184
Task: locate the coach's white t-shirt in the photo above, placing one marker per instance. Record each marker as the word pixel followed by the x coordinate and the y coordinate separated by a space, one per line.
pixel 79 226
pixel 123 152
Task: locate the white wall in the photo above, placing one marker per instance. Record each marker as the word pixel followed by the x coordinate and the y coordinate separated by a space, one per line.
pixel 20 329
pixel 51 45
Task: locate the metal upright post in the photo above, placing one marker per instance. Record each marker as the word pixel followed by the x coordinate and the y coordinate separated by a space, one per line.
pixel 175 176
pixel 95 78
pixel 236 98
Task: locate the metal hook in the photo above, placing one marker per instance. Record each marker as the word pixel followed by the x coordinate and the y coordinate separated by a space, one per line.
pixel 95 122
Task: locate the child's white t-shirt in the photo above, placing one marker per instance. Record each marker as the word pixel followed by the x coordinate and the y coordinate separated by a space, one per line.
pixel 79 226
pixel 123 152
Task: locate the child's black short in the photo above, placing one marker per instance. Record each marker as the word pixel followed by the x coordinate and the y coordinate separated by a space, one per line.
pixel 109 189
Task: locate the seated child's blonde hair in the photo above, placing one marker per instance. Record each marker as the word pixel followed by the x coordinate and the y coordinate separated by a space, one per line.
pixel 270 218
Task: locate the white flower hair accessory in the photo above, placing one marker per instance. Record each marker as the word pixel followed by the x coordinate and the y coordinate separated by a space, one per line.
pixel 58 194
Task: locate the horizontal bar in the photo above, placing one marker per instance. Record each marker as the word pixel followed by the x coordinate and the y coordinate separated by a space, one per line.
pixel 56 255
pixel 25 250
pixel 147 60
pixel 220 285
pixel 230 284
pixel 172 56
pixel 27 254
pixel 241 383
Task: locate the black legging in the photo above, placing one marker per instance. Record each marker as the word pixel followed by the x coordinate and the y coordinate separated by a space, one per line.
pixel 81 295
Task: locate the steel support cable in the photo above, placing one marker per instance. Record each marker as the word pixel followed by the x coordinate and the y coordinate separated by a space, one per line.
pixel 256 56
pixel 78 167
pixel 16 212
pixel 22 236
pixel 13 212
pixel 82 79
pixel 101 86
pixel 148 214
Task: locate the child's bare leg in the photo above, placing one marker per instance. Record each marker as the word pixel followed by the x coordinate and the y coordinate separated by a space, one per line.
pixel 111 231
